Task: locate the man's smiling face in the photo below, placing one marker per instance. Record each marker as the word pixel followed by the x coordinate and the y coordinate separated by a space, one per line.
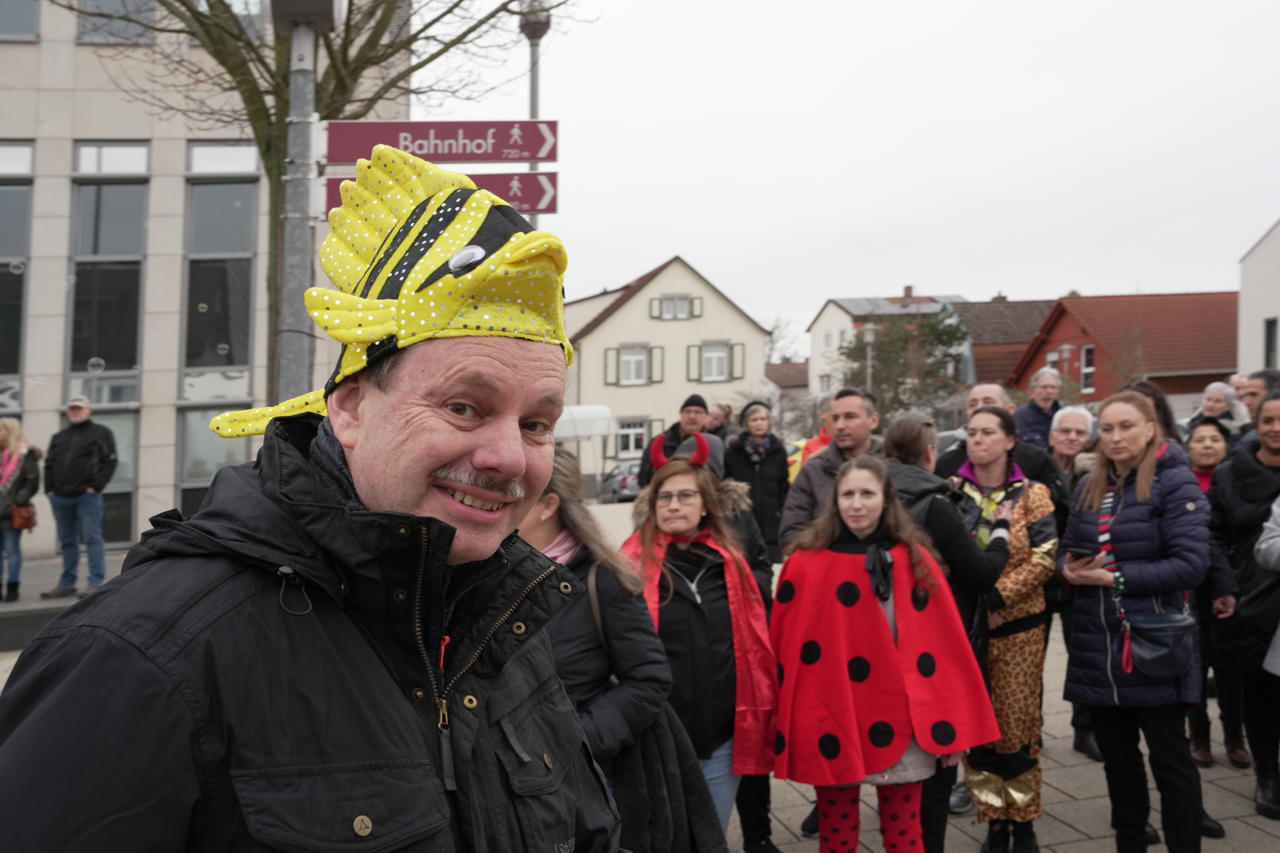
pixel 462 433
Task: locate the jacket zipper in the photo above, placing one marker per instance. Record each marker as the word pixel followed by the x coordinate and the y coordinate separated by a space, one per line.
pixel 441 696
pixel 1102 598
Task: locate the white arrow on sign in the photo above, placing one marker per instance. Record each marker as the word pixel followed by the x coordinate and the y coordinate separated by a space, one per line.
pixel 549 140
pixel 548 192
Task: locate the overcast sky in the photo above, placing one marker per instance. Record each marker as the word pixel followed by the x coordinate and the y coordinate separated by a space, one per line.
pixel 802 150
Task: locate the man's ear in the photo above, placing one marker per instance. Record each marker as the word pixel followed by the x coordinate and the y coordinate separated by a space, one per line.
pixel 344 411
pixel 875 419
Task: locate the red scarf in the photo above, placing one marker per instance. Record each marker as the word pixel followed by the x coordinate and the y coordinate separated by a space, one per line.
pixel 755 690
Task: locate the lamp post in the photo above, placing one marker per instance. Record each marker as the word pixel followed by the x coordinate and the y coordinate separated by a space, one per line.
pixel 1064 359
pixel 302 19
pixel 869 335
pixel 535 21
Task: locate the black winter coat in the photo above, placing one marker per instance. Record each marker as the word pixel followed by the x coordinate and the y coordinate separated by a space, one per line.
pixel 1162 548
pixel 613 716
pixel 1241 497
pixel 768 482
pixel 261 677
pixel 21 487
pixel 82 456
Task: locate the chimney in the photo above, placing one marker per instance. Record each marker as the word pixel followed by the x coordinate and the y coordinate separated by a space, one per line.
pixel 906 293
pixel 999 297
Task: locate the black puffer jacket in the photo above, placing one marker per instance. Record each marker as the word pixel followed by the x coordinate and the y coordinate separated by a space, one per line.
pixel 81 456
pixel 1241 497
pixel 211 699
pixel 612 715
pixel 767 481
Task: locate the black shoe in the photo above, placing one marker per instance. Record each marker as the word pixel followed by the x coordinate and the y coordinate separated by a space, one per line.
pixel 1087 745
pixel 998 837
pixel 1210 828
pixel 1024 838
pixel 760 845
pixel 1266 797
pixel 960 802
pixel 1153 837
pixel 11 592
pixel 59 592
pixel 809 826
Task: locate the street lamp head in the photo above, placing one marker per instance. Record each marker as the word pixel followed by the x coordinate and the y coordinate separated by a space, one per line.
pixel 535 21
pixel 320 15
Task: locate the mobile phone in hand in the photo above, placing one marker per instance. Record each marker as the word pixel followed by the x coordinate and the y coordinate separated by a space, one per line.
pixel 1082 553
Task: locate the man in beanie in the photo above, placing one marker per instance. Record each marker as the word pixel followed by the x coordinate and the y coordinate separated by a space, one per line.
pixel 343 648
pixel 693 419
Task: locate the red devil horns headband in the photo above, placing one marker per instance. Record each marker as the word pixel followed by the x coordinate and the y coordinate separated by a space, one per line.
pixel 701 453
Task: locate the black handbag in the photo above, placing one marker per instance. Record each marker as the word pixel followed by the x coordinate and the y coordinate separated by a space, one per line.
pixel 1160 644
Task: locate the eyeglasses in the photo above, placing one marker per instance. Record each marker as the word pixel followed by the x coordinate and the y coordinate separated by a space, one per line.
pixel 685 497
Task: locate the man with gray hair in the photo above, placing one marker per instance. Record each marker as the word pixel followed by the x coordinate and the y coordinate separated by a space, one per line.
pixel 1035 417
pixel 1069 435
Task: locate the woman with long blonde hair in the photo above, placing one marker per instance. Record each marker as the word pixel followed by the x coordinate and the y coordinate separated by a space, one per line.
pixel 19 483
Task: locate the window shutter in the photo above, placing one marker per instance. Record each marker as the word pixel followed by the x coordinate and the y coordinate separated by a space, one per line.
pixel 655 365
pixel 693 363
pixel 738 360
pixel 611 366
pixel 695 307
pixel 655 309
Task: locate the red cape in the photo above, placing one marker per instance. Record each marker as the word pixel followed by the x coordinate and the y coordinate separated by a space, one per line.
pixel 755 691
pixel 850 699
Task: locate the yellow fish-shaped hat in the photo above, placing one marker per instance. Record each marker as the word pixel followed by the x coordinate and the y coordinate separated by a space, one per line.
pixel 418 252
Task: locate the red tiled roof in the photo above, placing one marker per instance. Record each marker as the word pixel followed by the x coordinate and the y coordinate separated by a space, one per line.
pixel 789 374
pixel 1174 332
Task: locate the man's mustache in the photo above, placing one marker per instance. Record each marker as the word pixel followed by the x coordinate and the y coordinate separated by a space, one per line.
pixel 509 489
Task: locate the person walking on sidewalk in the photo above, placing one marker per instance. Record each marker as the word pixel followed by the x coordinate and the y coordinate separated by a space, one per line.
pixel 81 460
pixel 19 482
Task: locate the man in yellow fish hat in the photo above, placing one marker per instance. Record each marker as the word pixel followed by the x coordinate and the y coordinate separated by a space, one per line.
pixel 342 650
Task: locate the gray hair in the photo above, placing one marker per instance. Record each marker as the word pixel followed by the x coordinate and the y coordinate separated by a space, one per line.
pixel 826 402
pixel 1045 371
pixel 1221 388
pixel 1068 411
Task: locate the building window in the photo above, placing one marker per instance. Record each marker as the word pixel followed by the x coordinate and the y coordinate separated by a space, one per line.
pixel 844 337
pixel 826 341
pixel 117 498
pixel 633 365
pixel 1051 359
pixel 19 20
pixel 112 158
pixel 715 362
pixel 1087 370
pixel 203 453
pixel 675 307
pixel 15 239
pixel 223 158
pixel 15 158
pixel 1269 342
pixel 631 437
pixel 115 21
pixel 824 383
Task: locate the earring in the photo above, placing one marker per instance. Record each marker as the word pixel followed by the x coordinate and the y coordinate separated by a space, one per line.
pixel 543 517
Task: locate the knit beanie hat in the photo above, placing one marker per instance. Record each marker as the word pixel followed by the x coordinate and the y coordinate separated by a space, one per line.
pixel 694 400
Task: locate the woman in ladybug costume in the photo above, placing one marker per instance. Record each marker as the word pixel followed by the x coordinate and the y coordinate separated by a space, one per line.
pixel 876 676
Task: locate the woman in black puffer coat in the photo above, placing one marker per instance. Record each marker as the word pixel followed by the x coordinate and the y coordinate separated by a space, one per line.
pixel 757 457
pixel 1142 516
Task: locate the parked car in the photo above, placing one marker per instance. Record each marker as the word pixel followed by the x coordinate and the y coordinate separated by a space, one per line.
pixel 621 484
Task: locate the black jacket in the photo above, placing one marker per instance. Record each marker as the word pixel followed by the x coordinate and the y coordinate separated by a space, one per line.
pixel 261 676
pixel 767 480
pixel 612 715
pixel 81 456
pixel 1240 498
pixel 21 487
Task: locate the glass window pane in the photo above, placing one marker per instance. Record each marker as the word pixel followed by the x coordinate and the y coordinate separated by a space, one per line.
pixel 117 517
pixel 218 313
pixel 15 157
pixel 19 17
pixel 215 385
pixel 127 28
pixel 10 321
pixel 221 218
pixel 203 451
pixel 124 426
pixel 210 159
pixel 111 158
pixel 110 219
pixel 10 395
pixel 15 221
pixel 105 323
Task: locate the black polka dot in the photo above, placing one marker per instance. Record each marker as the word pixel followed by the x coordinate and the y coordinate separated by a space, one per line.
pixel 919 598
pixel 786 592
pixel 859 668
pixel 926 664
pixel 810 652
pixel 779 743
pixel 829 746
pixel 943 732
pixel 847 593
pixel 880 734
pixel 779 675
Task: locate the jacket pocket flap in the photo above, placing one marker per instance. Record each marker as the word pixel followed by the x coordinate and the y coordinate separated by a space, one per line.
pixel 542 738
pixel 363 807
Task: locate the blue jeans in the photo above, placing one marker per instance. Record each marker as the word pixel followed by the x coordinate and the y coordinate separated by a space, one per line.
pixel 79 519
pixel 718 771
pixel 12 554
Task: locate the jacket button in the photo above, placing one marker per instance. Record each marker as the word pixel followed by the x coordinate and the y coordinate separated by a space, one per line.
pixel 399 595
pixel 546 759
pixel 517 628
pixel 470 702
pixel 566 587
pixel 402 530
pixel 1191 506
pixel 419 694
pixel 362 825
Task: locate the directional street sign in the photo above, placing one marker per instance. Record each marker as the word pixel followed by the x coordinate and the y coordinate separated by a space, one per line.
pixel 527 192
pixel 446 141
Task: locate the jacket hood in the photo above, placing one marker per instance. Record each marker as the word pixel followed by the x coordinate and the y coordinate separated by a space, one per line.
pixel 735 497
pixel 913 482
pixel 1254 481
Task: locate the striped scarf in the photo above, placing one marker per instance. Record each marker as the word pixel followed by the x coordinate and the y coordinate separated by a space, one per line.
pixel 1106 514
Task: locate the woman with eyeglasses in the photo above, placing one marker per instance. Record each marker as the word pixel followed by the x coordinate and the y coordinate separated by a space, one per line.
pixel 709 613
